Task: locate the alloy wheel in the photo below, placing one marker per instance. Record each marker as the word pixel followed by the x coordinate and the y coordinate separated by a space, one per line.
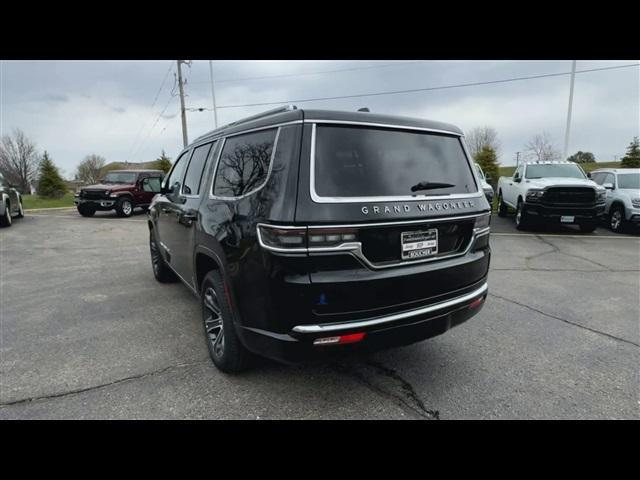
pixel 213 321
pixel 616 219
pixel 126 207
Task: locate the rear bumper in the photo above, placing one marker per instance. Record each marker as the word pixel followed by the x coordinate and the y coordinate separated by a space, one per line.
pixel 553 213
pixel 396 329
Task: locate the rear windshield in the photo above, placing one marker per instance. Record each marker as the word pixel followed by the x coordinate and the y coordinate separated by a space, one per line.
pixel 629 180
pixel 560 170
pixel 376 162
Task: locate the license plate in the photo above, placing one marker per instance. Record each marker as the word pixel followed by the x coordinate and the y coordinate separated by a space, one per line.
pixel 569 219
pixel 416 245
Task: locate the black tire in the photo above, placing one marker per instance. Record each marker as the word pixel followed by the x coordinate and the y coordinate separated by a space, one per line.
pixel 502 207
pixel 124 207
pixel 617 221
pixel 5 220
pixel 522 219
pixel 20 209
pixel 161 270
pixel 225 348
pixel 86 211
pixel 588 227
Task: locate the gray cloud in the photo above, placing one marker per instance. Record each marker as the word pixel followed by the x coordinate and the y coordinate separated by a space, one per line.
pixel 105 106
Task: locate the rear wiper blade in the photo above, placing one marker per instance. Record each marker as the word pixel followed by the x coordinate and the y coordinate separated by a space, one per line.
pixel 430 186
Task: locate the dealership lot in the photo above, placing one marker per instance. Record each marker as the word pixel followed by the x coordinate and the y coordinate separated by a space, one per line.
pixel 86 332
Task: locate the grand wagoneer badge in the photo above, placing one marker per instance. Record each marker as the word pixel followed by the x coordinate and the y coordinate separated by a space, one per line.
pixel 418 207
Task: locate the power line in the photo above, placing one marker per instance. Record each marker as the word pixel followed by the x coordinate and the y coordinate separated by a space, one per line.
pixel 171 97
pixel 312 73
pixel 151 108
pixel 413 90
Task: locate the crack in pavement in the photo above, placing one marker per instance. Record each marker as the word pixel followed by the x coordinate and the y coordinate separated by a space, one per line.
pixel 104 385
pixel 564 320
pixel 408 398
pixel 557 249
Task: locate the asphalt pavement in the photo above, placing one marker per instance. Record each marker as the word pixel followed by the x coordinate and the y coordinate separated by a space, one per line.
pixel 86 332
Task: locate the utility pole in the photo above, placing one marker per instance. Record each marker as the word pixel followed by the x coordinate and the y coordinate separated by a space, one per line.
pixel 182 110
pixel 213 96
pixel 517 158
pixel 568 129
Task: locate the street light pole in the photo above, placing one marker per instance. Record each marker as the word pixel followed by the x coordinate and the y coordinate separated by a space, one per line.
pixel 182 109
pixel 568 128
pixel 213 96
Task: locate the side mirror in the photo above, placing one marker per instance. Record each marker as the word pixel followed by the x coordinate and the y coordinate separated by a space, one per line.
pixel 517 179
pixel 589 174
pixel 608 186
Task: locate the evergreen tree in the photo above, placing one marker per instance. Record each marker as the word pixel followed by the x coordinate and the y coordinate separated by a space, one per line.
pixel 162 163
pixel 488 161
pixel 50 183
pixel 632 158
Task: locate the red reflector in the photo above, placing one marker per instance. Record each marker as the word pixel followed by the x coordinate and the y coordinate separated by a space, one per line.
pixel 354 337
pixel 476 302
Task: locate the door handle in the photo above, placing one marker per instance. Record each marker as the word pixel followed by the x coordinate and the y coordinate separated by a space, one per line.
pixel 188 218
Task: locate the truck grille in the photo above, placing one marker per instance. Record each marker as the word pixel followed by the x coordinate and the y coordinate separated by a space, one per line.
pixel 92 194
pixel 569 196
pixel 382 244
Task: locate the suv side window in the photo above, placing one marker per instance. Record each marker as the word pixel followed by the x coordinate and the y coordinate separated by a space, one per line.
pixel 609 178
pixel 174 180
pixel 244 163
pixel 193 177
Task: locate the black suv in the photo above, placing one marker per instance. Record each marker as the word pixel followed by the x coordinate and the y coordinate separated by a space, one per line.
pixel 305 233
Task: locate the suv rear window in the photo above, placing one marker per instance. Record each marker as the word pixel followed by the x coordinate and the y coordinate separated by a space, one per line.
pixel 378 162
pixel 244 163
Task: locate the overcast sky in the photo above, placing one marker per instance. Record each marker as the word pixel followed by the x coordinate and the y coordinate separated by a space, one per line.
pixel 74 108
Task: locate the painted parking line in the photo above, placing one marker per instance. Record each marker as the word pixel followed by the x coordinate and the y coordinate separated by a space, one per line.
pixel 614 237
pixel 102 219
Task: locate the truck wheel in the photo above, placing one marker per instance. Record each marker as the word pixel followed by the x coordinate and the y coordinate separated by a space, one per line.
pixel 225 348
pixel 86 211
pixel 5 220
pixel 161 270
pixel 522 219
pixel 588 227
pixel 502 207
pixel 20 209
pixel 124 207
pixel 616 219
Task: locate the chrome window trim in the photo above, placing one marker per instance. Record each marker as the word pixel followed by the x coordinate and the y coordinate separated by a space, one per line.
pixel 221 135
pixel 337 326
pixel 182 194
pixel 405 198
pixel 402 222
pixel 271 162
pixel 382 125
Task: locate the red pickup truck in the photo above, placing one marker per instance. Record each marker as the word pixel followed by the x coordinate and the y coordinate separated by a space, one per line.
pixel 120 190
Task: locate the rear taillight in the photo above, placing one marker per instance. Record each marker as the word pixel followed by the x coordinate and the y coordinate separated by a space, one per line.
pixel 278 238
pixel 297 239
pixel 339 340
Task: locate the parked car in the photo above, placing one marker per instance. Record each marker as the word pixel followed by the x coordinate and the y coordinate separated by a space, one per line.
pixel 120 190
pixel 622 207
pixel 305 234
pixel 486 188
pixel 11 203
pixel 551 192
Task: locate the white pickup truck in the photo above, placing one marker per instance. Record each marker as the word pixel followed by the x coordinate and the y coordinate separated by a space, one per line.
pixel 551 192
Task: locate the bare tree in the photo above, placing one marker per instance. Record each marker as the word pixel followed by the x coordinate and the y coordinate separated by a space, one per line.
pixel 542 148
pixel 90 169
pixel 18 160
pixel 481 137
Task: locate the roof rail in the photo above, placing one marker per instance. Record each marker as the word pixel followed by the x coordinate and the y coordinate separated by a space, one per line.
pixel 268 113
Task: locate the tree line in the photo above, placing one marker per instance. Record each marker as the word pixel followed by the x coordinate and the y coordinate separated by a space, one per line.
pixel 24 167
